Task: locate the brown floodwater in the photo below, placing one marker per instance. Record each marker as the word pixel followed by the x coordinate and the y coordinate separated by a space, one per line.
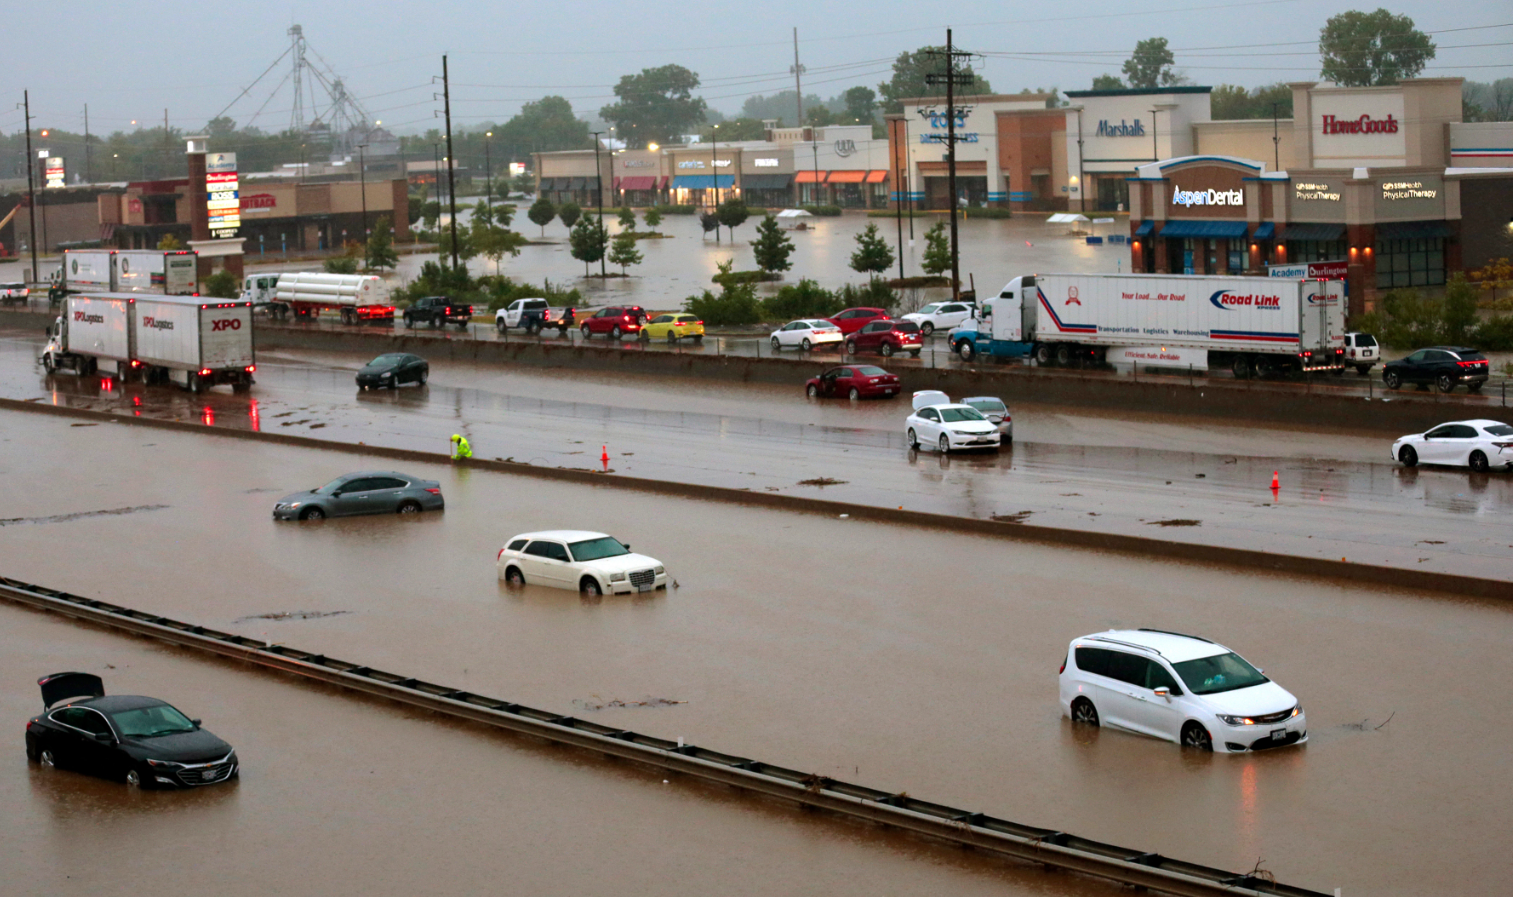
pixel 901 658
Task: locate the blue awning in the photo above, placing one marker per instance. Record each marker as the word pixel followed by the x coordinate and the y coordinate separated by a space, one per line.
pixel 1145 229
pixel 1267 231
pixel 1209 229
pixel 703 182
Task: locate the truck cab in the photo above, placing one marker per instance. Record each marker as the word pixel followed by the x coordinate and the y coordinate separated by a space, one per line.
pixel 1002 326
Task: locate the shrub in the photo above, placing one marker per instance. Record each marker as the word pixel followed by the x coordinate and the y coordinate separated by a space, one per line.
pixel 222 285
pixel 1495 334
pixel 341 264
pixel 735 304
pixel 674 210
pixel 501 291
pixel 822 211
pixel 805 299
pixel 728 277
pixel 873 294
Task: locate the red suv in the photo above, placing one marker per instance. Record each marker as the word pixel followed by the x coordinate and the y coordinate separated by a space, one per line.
pixel 615 321
pixel 852 319
pixel 887 337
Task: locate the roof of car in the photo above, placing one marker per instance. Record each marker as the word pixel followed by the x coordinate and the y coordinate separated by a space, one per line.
pixel 375 473
pixel 116 703
pixel 1174 646
pixel 1480 422
pixel 984 399
pixel 562 535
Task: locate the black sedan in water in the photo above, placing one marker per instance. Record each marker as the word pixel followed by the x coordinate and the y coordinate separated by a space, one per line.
pixel 393 369
pixel 143 742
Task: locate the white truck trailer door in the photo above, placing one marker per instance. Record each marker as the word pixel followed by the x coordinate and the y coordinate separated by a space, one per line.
pixel 181 274
pixel 226 336
pixel 89 270
pixel 1314 305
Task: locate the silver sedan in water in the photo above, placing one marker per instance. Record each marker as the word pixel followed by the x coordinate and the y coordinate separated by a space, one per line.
pixel 371 492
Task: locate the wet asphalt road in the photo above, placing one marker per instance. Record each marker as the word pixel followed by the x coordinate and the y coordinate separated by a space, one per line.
pixel 897 657
pixel 1340 496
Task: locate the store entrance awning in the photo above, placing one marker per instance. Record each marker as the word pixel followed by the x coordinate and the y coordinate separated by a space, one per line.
pixel 810 177
pixel 1204 229
pixel 1318 232
pixel 639 182
pixel 877 177
pixel 766 181
pixel 1145 229
pixel 703 182
pixel 548 184
pixel 1267 231
pixel 846 177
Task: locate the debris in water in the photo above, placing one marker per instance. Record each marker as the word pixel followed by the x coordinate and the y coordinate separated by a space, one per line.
pixel 822 482
pixel 1200 476
pixel 1428 542
pixel 80 515
pixel 601 704
pixel 1175 522
pixel 316 426
pixel 83 425
pixel 1071 494
pixel 293 615
pixel 1012 518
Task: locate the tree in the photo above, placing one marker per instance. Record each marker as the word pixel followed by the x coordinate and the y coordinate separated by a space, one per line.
pixel 1230 102
pixel 861 102
pixel 524 182
pixel 653 217
pixel 465 247
pixel 341 264
pixel 780 106
pixel 908 81
pixel 489 234
pixel 733 213
pixel 818 117
pixel 381 252
pixel 1498 274
pixel 736 129
pixel 872 255
pixel 546 125
pixel 656 106
pixel 569 213
pixel 626 217
pixel 772 246
pixel 1150 65
pixel 1107 82
pixel 1459 310
pixel 937 259
pixel 170 243
pixel 1488 102
pixel 623 251
pixel 587 241
pixel 1365 49
pixel 541 213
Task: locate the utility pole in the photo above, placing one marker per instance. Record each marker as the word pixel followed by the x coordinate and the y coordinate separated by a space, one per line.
pixel 1276 148
pixel 31 189
pixel 88 177
pixel 446 92
pixel 488 172
pixel 1155 147
pixel 908 181
pixel 167 147
pixel 599 189
pixel 798 87
pixel 951 77
pixel 362 168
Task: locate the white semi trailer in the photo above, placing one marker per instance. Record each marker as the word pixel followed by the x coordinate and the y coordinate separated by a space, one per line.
pixel 170 272
pixel 1250 325
pixel 195 342
pixel 355 297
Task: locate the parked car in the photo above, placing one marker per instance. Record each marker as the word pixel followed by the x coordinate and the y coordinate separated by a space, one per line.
pixel 855 381
pixel 593 563
pixel 806 334
pixel 1444 366
pixel 392 369
pixel 1362 351
pixel 14 293
pixel 144 742
pixel 674 327
pixel 887 337
pixel 532 315
pixel 939 316
pixel 438 311
pixel 1477 444
pixel 370 492
pixel 852 319
pixel 615 321
pixel 1180 688
pixel 996 412
pixel 950 427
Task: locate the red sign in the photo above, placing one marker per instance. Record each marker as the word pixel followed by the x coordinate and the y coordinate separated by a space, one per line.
pixel 133 205
pixel 1363 125
pixel 259 201
pixel 1326 270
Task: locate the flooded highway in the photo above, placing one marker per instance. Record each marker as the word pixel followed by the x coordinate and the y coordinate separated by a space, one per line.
pixel 1340 496
pixel 905 659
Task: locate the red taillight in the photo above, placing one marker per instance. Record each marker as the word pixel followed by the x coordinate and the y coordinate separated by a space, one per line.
pixel 680 323
pixel 700 323
pixel 251 368
pixel 1470 364
pixel 1063 667
pixel 438 492
pixel 135 363
pixel 500 554
pixel 205 372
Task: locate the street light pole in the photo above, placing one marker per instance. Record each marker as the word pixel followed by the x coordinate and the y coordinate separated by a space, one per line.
pixel 362 169
pixel 599 189
pixel 31 190
pixel 488 171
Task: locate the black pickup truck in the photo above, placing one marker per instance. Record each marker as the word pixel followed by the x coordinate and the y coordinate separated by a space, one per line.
pixel 438 311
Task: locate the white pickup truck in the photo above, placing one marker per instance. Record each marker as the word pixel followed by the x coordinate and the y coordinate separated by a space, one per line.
pixel 533 315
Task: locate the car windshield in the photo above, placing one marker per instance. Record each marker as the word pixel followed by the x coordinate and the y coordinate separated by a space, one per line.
pixel 987 406
pixel 594 549
pixel 1365 340
pixel 1499 430
pixel 150 722
pixel 930 309
pixel 384 360
pixel 868 370
pixel 331 486
pixel 953 415
pixel 1222 672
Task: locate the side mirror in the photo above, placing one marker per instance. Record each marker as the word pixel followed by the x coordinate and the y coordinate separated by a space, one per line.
pixel 104 738
pixel 1163 692
pixel 195 723
pixel 627 545
pixel 336 494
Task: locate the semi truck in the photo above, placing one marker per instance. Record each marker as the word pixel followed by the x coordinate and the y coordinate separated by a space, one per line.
pixel 305 294
pixel 194 342
pixel 1249 325
pixel 170 272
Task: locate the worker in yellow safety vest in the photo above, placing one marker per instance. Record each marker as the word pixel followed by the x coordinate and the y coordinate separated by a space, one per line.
pixel 460 448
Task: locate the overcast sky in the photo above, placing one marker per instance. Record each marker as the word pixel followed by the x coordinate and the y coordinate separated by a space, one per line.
pixel 128 62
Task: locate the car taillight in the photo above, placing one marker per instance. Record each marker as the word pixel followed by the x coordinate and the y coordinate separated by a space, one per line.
pixel 500 554
pixel 680 323
pixel 1063 667
pixel 700 323
pixel 1503 445
pixel 438 492
pixel 1470 364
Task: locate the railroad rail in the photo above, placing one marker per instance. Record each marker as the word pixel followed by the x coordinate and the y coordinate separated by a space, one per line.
pixel 1028 843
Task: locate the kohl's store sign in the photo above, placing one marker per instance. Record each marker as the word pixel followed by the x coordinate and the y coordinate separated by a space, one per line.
pixel 1107 128
pixel 1190 198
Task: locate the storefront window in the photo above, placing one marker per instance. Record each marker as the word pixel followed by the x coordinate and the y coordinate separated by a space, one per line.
pixel 1236 261
pixel 1410 263
pixel 1300 251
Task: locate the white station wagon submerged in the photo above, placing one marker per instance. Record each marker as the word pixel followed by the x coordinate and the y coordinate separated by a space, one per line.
pixel 593 563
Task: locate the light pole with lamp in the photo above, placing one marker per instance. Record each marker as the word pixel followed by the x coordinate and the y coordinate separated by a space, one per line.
pixel 599 189
pixel 488 171
pixel 362 173
pixel 714 165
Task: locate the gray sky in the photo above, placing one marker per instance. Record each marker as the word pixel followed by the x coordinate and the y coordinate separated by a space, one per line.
pixel 129 62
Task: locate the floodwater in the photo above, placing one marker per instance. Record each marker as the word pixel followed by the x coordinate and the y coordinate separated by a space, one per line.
pixel 901 658
pixel 1193 481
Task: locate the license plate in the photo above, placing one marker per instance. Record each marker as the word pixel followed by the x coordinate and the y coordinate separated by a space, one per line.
pixel 1278 734
pixel 646 588
pixel 889 391
pixel 208 775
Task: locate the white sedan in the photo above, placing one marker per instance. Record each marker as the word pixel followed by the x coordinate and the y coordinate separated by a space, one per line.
pixel 592 563
pixel 939 316
pixel 806 334
pixel 951 427
pixel 1477 444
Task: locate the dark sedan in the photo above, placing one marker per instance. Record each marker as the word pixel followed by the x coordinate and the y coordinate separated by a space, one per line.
pixel 374 492
pixel 143 742
pixel 393 369
pixel 1445 366
pixel 854 381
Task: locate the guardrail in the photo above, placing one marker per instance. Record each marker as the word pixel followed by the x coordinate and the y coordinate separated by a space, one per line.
pixel 1033 844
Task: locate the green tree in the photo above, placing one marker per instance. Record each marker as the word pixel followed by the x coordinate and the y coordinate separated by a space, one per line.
pixel 1459 310
pixel 733 213
pixel 489 235
pixel 1150 65
pixel 381 252
pixel 1107 82
pixel 222 285
pixel 872 255
pixel 623 251
pixel 861 103
pixel 626 217
pixel 772 246
pixel 818 117
pixel 524 182
pixel 653 217
pixel 1365 49
pixel 736 129
pixel 465 247
pixel 569 213
pixel 546 125
pixel 341 264
pixel 937 258
pixel 780 106
pixel 908 81
pixel 1230 102
pixel 430 213
pixel 655 106
pixel 587 241
pixel 170 243
pixel 541 213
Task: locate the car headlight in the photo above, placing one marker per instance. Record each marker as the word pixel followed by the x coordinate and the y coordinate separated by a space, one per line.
pixel 617 577
pixel 659 569
pixel 163 763
pixel 1237 720
pixel 1297 711
pixel 294 505
pixel 388 374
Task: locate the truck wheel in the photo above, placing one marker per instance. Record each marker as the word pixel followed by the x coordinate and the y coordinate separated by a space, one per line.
pixel 346 316
pixel 1064 356
pixel 241 386
pixel 435 321
pixel 193 383
pixel 500 326
pixel 965 350
pixel 1241 367
pixel 49 364
pixel 463 325
pixel 409 323
pixel 1043 355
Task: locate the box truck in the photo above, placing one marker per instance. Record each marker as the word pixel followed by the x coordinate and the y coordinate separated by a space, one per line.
pixel 1249 325
pixel 195 342
pixel 170 272
pixel 92 331
pixel 356 297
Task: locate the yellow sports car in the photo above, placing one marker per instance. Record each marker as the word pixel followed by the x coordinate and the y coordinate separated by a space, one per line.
pixel 673 327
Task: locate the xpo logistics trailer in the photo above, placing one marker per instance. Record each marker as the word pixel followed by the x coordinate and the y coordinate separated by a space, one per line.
pixel 170 272
pixel 194 342
pixel 356 297
pixel 1249 325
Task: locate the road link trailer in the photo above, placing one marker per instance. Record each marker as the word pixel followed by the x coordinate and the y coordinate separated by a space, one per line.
pixel 1249 325
pixel 169 272
pixel 92 333
pixel 195 342
pixel 305 294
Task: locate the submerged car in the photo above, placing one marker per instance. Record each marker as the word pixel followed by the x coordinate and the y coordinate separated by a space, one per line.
pixel 950 427
pixel 144 742
pixel 1180 688
pixel 593 563
pixel 996 412
pixel 1478 444
pixel 392 369
pixel 373 492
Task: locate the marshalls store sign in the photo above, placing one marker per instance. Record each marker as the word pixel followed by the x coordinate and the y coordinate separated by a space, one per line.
pixel 1192 198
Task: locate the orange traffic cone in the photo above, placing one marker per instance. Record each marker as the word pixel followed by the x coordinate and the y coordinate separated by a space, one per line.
pixel 1276 481
pixel 605 457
